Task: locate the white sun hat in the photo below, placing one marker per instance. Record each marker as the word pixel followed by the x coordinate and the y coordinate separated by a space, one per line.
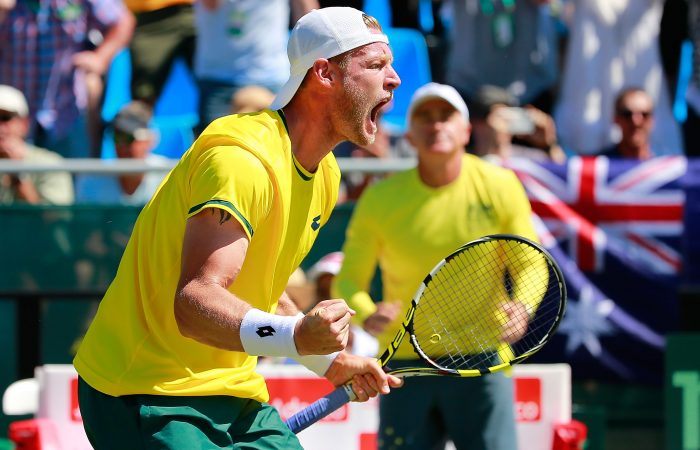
pixel 330 263
pixel 432 91
pixel 12 100
pixel 323 33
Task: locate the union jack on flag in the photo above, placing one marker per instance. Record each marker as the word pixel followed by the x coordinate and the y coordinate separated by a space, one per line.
pixel 596 205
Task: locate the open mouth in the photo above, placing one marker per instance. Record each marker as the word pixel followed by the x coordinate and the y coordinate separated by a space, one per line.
pixel 374 115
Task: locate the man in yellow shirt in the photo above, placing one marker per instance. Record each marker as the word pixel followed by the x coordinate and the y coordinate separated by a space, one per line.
pixel 407 223
pixel 169 360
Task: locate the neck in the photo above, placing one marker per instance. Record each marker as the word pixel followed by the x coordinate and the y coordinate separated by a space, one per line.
pixel 641 152
pixel 129 183
pixel 438 172
pixel 310 131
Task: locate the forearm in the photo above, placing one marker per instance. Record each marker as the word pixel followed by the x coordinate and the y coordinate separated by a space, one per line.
pixel 25 189
pixel 118 37
pixel 208 313
pixel 286 306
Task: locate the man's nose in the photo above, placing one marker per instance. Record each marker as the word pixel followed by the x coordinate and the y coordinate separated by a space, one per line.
pixel 392 80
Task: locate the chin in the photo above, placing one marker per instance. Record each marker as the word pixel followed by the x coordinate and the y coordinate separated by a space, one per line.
pixel 441 150
pixel 363 137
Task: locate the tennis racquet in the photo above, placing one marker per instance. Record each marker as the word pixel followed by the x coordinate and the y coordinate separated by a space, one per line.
pixel 490 304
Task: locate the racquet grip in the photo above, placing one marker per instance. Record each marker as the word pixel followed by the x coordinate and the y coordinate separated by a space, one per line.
pixel 320 408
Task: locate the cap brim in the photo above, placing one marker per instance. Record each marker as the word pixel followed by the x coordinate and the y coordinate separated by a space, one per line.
pixel 419 101
pixel 286 93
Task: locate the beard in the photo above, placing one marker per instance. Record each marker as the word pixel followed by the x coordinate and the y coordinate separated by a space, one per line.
pixel 354 109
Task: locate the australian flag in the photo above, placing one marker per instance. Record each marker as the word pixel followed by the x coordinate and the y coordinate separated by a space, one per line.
pixel 616 227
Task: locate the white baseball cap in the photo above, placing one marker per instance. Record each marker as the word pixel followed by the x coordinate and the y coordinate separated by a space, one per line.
pixel 322 33
pixel 440 91
pixel 12 99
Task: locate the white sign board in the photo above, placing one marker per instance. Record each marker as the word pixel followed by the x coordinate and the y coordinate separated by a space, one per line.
pixel 542 400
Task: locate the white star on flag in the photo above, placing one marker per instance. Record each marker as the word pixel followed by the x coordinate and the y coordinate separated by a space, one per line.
pixel 585 321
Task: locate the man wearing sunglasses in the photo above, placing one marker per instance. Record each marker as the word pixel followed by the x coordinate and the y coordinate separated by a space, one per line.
pixel 634 117
pixel 34 188
pixel 133 139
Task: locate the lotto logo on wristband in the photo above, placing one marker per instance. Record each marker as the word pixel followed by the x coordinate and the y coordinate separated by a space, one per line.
pixel 265 331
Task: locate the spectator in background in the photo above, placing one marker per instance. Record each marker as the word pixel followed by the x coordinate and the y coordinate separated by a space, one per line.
pixel 164 32
pixel 133 139
pixel 501 130
pixel 511 44
pixel 408 222
pixel 43 187
pixel 634 118
pixel 241 43
pixel 42 53
pixel 612 44
pixel 251 99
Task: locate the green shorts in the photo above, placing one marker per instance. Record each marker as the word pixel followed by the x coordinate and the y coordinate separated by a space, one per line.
pixel 166 422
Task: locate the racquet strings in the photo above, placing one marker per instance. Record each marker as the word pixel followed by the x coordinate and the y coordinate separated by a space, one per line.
pixel 459 320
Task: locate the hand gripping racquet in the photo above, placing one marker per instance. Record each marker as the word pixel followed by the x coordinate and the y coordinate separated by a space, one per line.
pixel 490 304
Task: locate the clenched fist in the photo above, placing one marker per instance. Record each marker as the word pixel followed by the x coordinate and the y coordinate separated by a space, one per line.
pixel 324 329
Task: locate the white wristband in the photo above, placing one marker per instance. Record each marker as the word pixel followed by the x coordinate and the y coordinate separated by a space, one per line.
pixel 265 334
pixel 318 364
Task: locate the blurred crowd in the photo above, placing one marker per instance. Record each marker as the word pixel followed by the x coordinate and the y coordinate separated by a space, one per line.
pixel 543 79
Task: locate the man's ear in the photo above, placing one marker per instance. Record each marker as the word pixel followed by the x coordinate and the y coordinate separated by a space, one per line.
pixel 468 131
pixel 409 137
pixel 324 71
pixel 24 127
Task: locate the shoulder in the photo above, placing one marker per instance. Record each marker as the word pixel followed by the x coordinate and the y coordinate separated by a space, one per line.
pixel 41 154
pixel 107 11
pixel 487 171
pixel 263 133
pixel 393 184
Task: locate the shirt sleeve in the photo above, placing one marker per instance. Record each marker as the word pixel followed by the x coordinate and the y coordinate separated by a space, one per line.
pixel 232 179
pixel 518 212
pixel 102 14
pixel 361 249
pixel 528 270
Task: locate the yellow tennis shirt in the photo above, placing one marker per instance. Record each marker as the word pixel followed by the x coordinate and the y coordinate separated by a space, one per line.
pixel 407 227
pixel 242 164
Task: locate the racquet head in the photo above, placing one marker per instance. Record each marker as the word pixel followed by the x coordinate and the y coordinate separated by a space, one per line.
pixel 490 304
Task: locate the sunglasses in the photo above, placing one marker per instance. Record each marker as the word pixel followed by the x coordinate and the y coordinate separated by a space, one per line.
pixel 7 116
pixel 122 138
pixel 628 114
